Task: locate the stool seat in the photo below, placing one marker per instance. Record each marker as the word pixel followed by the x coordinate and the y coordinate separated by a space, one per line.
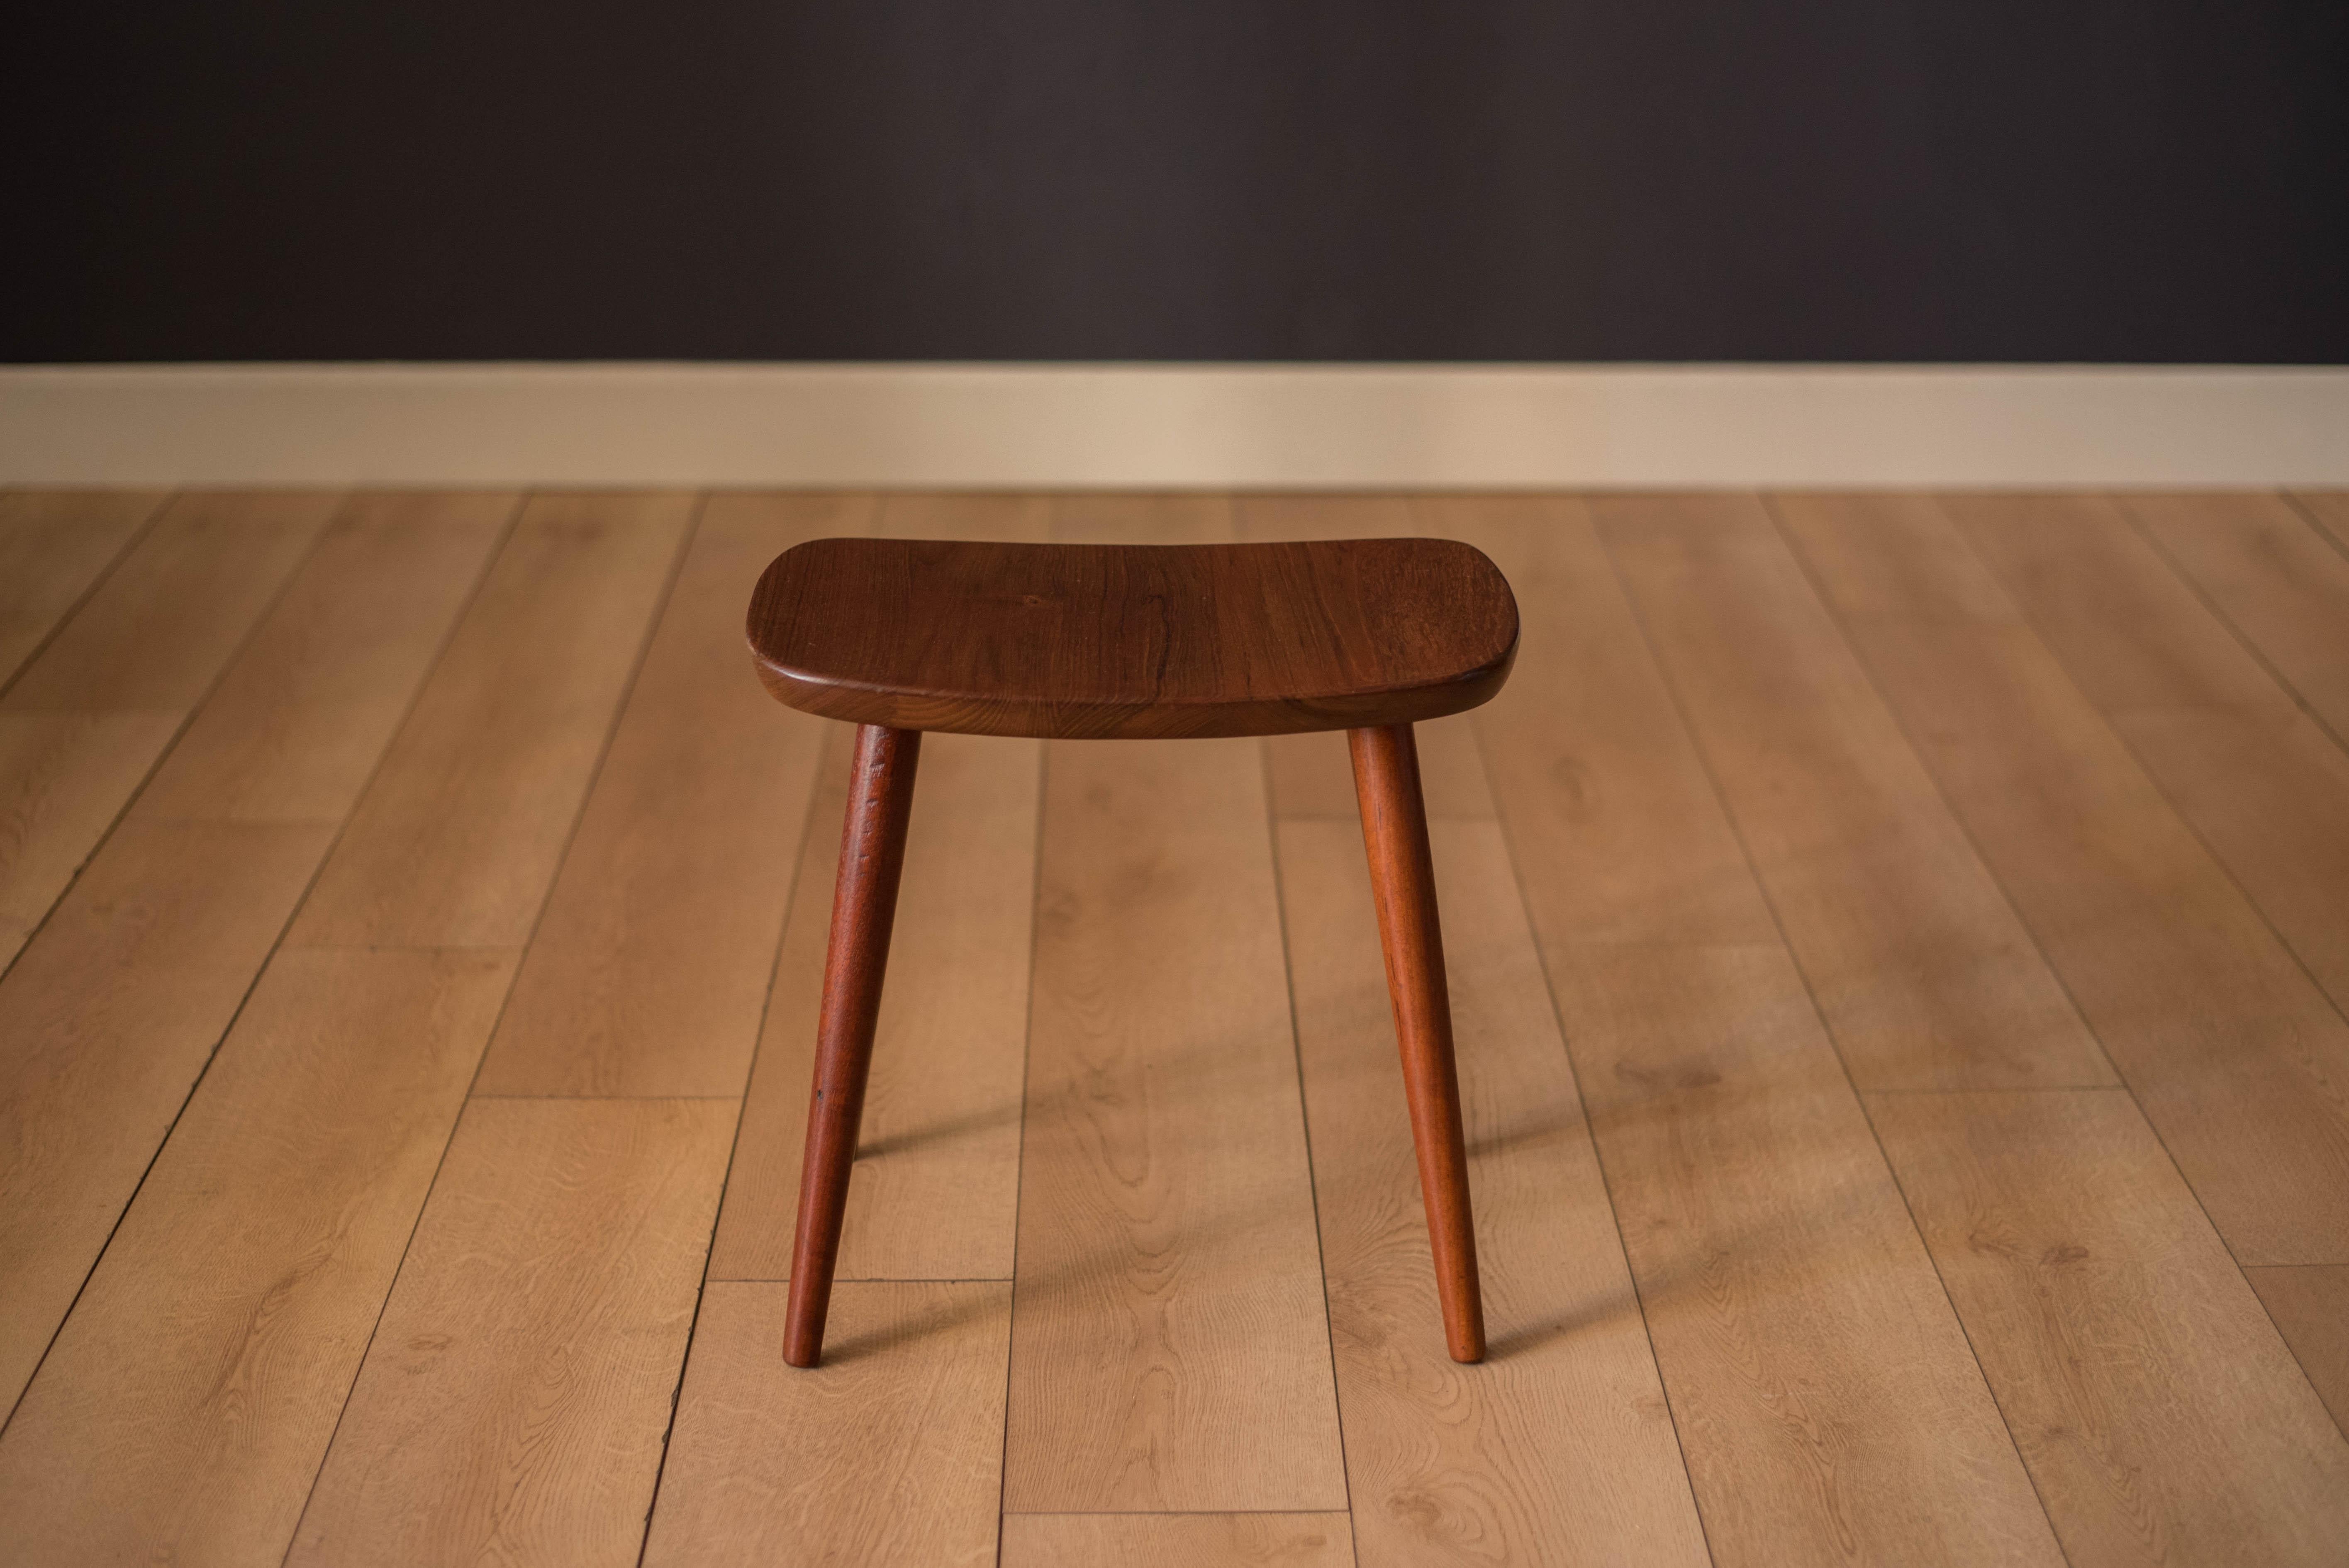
pixel 1104 641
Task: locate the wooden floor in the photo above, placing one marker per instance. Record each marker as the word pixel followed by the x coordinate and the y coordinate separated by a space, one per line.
pixel 1899 946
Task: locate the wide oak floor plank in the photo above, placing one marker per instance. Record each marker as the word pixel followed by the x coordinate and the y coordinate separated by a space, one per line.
pixel 2310 1306
pixel 2132 632
pixel 2257 777
pixel 455 841
pixel 1168 1311
pixel 53 545
pixel 2106 1372
pixel 2239 1060
pixel 2159 1412
pixel 2283 585
pixel 514 1405
pixel 1825 1398
pixel 1175 1540
pixel 2329 510
pixel 2272 803
pixel 293 727
pixel 64 777
pixel 109 1016
pixel 82 728
pixel 891 1452
pixel 1926 977
pixel 99 1099
pixel 1560 1449
pixel 649 969
pixel 158 631
pixel 1169 1343
pixel 298 722
pixel 184 1409
pixel 1583 750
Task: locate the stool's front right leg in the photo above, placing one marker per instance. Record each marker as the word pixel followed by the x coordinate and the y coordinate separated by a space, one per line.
pixel 863 906
pixel 1403 881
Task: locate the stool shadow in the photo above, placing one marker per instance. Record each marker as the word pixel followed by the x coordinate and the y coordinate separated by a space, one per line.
pixel 964 1307
pixel 942 1132
pixel 1524 1338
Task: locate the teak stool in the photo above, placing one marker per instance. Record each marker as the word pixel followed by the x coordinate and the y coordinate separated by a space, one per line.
pixel 1115 642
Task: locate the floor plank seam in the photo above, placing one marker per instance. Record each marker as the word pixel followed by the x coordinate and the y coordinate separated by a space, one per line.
pixel 2193 585
pixel 1020 1159
pixel 414 696
pixel 196 1083
pixel 2211 851
pixel 174 818
pixel 137 536
pixel 594 1097
pixel 1949 806
pixel 2028 1089
pixel 2223 867
pixel 1598 1155
pixel 620 705
pixel 178 732
pixel 2335 1264
pixel 2038 943
pixel 546 897
pixel 766 1001
pixel 2226 870
pixel 395 946
pixel 2136 759
pixel 1826 1027
pixel 2324 531
pixel 1305 1121
pixel 1159 1512
pixel 2340 1423
pixel 594 774
pixel 693 1323
pixel 868 1279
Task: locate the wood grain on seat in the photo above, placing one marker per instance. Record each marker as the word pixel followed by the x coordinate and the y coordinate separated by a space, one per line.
pixel 1104 641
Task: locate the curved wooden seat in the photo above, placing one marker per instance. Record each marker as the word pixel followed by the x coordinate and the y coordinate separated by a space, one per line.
pixel 1113 640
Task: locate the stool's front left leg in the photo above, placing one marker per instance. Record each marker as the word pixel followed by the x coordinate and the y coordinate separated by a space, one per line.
pixel 1403 881
pixel 863 906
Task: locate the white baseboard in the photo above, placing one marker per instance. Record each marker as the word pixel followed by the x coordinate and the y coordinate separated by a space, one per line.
pixel 1172 425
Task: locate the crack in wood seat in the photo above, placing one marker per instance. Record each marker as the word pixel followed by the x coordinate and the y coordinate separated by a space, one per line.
pixel 1104 641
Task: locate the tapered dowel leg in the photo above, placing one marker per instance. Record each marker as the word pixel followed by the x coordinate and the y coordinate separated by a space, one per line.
pixel 1402 880
pixel 863 904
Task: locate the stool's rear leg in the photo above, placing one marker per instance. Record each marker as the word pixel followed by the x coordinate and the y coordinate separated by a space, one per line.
pixel 863 904
pixel 1402 880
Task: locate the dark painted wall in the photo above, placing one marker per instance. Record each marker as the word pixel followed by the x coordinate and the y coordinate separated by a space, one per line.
pixel 1845 180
